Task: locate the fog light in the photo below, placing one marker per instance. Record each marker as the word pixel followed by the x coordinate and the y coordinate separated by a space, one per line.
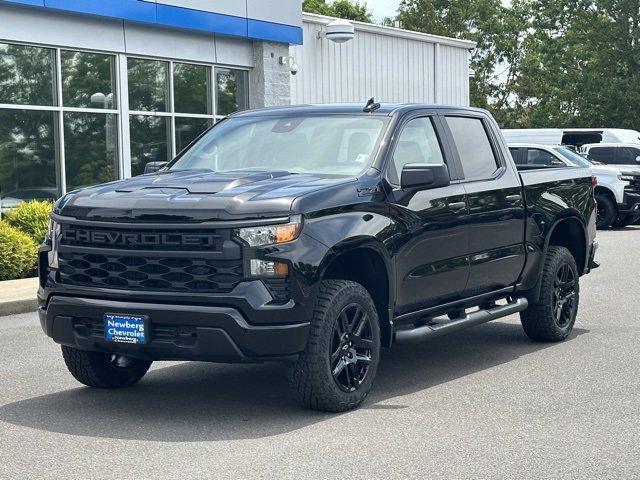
pixel 263 268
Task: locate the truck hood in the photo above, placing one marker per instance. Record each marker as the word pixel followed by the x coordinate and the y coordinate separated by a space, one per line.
pixel 196 196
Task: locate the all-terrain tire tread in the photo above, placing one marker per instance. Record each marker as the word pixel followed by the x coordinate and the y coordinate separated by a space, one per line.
pixel 305 377
pixel 537 320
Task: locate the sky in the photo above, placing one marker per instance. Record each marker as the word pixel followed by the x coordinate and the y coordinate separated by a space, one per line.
pixel 383 8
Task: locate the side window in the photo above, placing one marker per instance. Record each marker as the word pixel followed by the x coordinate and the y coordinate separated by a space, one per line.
pixel 536 156
pixel 517 157
pixel 603 154
pixel 628 155
pixel 474 147
pixel 418 143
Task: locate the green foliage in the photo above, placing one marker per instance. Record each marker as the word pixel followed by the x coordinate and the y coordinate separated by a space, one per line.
pixel 31 218
pixel 18 253
pixel 348 9
pixel 544 63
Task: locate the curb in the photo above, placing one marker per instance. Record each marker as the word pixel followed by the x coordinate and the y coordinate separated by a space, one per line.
pixel 14 307
pixel 18 296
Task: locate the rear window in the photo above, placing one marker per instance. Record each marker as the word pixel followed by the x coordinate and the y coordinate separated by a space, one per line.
pixel 474 148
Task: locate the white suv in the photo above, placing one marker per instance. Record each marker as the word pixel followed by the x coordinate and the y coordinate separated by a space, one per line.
pixel 618 189
pixel 625 155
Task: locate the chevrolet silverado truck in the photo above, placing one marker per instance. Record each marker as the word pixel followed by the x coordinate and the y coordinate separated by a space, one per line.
pixel 314 235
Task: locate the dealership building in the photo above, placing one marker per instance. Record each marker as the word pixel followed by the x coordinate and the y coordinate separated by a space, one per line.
pixel 93 90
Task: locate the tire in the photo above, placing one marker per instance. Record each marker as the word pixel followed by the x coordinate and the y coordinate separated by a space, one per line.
pixel 606 211
pixel 552 317
pixel 104 370
pixel 623 221
pixel 351 349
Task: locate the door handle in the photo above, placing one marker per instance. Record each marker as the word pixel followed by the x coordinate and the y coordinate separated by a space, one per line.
pixel 457 206
pixel 514 198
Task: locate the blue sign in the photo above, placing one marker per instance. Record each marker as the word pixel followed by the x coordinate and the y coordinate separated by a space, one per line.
pixel 125 328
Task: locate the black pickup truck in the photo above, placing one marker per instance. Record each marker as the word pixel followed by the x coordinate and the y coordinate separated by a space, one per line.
pixel 315 235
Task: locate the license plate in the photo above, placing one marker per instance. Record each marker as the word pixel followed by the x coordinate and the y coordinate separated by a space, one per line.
pixel 132 329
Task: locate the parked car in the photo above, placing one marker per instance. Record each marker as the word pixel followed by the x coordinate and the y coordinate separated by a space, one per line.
pixel 12 199
pixel 575 137
pixel 618 190
pixel 625 155
pixel 315 235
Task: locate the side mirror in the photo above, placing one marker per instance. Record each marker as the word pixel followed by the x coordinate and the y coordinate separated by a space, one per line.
pixel 424 176
pixel 637 159
pixel 153 167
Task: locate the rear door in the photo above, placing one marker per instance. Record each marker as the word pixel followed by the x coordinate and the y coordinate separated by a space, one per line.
pixel 495 203
pixel 431 249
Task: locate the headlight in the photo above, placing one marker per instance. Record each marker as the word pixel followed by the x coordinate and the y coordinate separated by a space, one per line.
pixel 52 235
pixel 271 234
pixel 626 178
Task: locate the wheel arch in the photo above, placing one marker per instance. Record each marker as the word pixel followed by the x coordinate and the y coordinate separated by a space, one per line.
pixel 570 232
pixel 366 262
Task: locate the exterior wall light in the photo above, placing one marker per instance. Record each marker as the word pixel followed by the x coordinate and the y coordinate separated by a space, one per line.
pixel 339 31
pixel 291 63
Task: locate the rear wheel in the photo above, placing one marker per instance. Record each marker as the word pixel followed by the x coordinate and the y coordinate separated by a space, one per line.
pixel 552 317
pixel 606 211
pixel 104 370
pixel 336 371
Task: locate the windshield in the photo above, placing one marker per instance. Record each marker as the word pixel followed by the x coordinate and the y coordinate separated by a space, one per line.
pixel 332 145
pixel 573 157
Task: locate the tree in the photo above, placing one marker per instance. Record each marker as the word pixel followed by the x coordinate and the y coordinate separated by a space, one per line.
pixel 496 29
pixel 581 64
pixel 340 8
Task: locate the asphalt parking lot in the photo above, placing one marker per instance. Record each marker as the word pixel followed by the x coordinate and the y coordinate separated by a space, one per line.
pixel 484 403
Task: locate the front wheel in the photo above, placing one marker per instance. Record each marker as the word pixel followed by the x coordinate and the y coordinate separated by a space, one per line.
pixel 104 370
pixel 606 211
pixel 552 317
pixel 336 371
pixel 624 221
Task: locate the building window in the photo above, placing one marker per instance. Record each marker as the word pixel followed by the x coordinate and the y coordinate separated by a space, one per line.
pixel 29 154
pixel 47 95
pixel 232 91
pixel 172 103
pixel 62 115
pixel 88 80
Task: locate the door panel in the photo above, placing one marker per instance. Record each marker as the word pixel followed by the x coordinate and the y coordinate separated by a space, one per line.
pixel 431 244
pixel 495 216
pixel 431 259
pixel 496 234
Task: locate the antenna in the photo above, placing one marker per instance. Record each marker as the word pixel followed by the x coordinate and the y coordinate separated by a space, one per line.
pixel 371 106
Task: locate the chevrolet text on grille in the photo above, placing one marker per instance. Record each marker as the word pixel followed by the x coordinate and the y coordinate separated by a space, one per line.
pixel 150 239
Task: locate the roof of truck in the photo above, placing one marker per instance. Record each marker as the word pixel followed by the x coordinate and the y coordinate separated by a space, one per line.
pixel 353 108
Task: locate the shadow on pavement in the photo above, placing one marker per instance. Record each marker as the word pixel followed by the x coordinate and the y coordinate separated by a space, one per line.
pixel 205 402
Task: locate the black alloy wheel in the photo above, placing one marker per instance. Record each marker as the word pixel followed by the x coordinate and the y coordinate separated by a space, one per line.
pixel 552 313
pixel 336 370
pixel 351 348
pixel 564 296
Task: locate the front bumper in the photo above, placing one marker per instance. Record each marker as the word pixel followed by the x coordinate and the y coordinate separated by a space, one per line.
pixel 630 204
pixel 593 264
pixel 177 332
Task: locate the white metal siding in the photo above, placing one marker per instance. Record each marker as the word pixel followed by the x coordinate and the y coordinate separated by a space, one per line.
pixel 388 64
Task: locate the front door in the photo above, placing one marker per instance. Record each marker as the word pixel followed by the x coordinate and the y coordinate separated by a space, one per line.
pixel 496 215
pixel 431 245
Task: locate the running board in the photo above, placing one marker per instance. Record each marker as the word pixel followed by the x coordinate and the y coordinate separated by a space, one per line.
pixel 420 334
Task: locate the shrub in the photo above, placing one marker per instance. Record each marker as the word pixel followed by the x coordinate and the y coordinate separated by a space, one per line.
pixel 31 218
pixel 18 253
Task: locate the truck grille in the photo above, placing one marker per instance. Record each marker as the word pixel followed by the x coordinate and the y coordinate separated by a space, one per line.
pixel 158 274
pixel 143 258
